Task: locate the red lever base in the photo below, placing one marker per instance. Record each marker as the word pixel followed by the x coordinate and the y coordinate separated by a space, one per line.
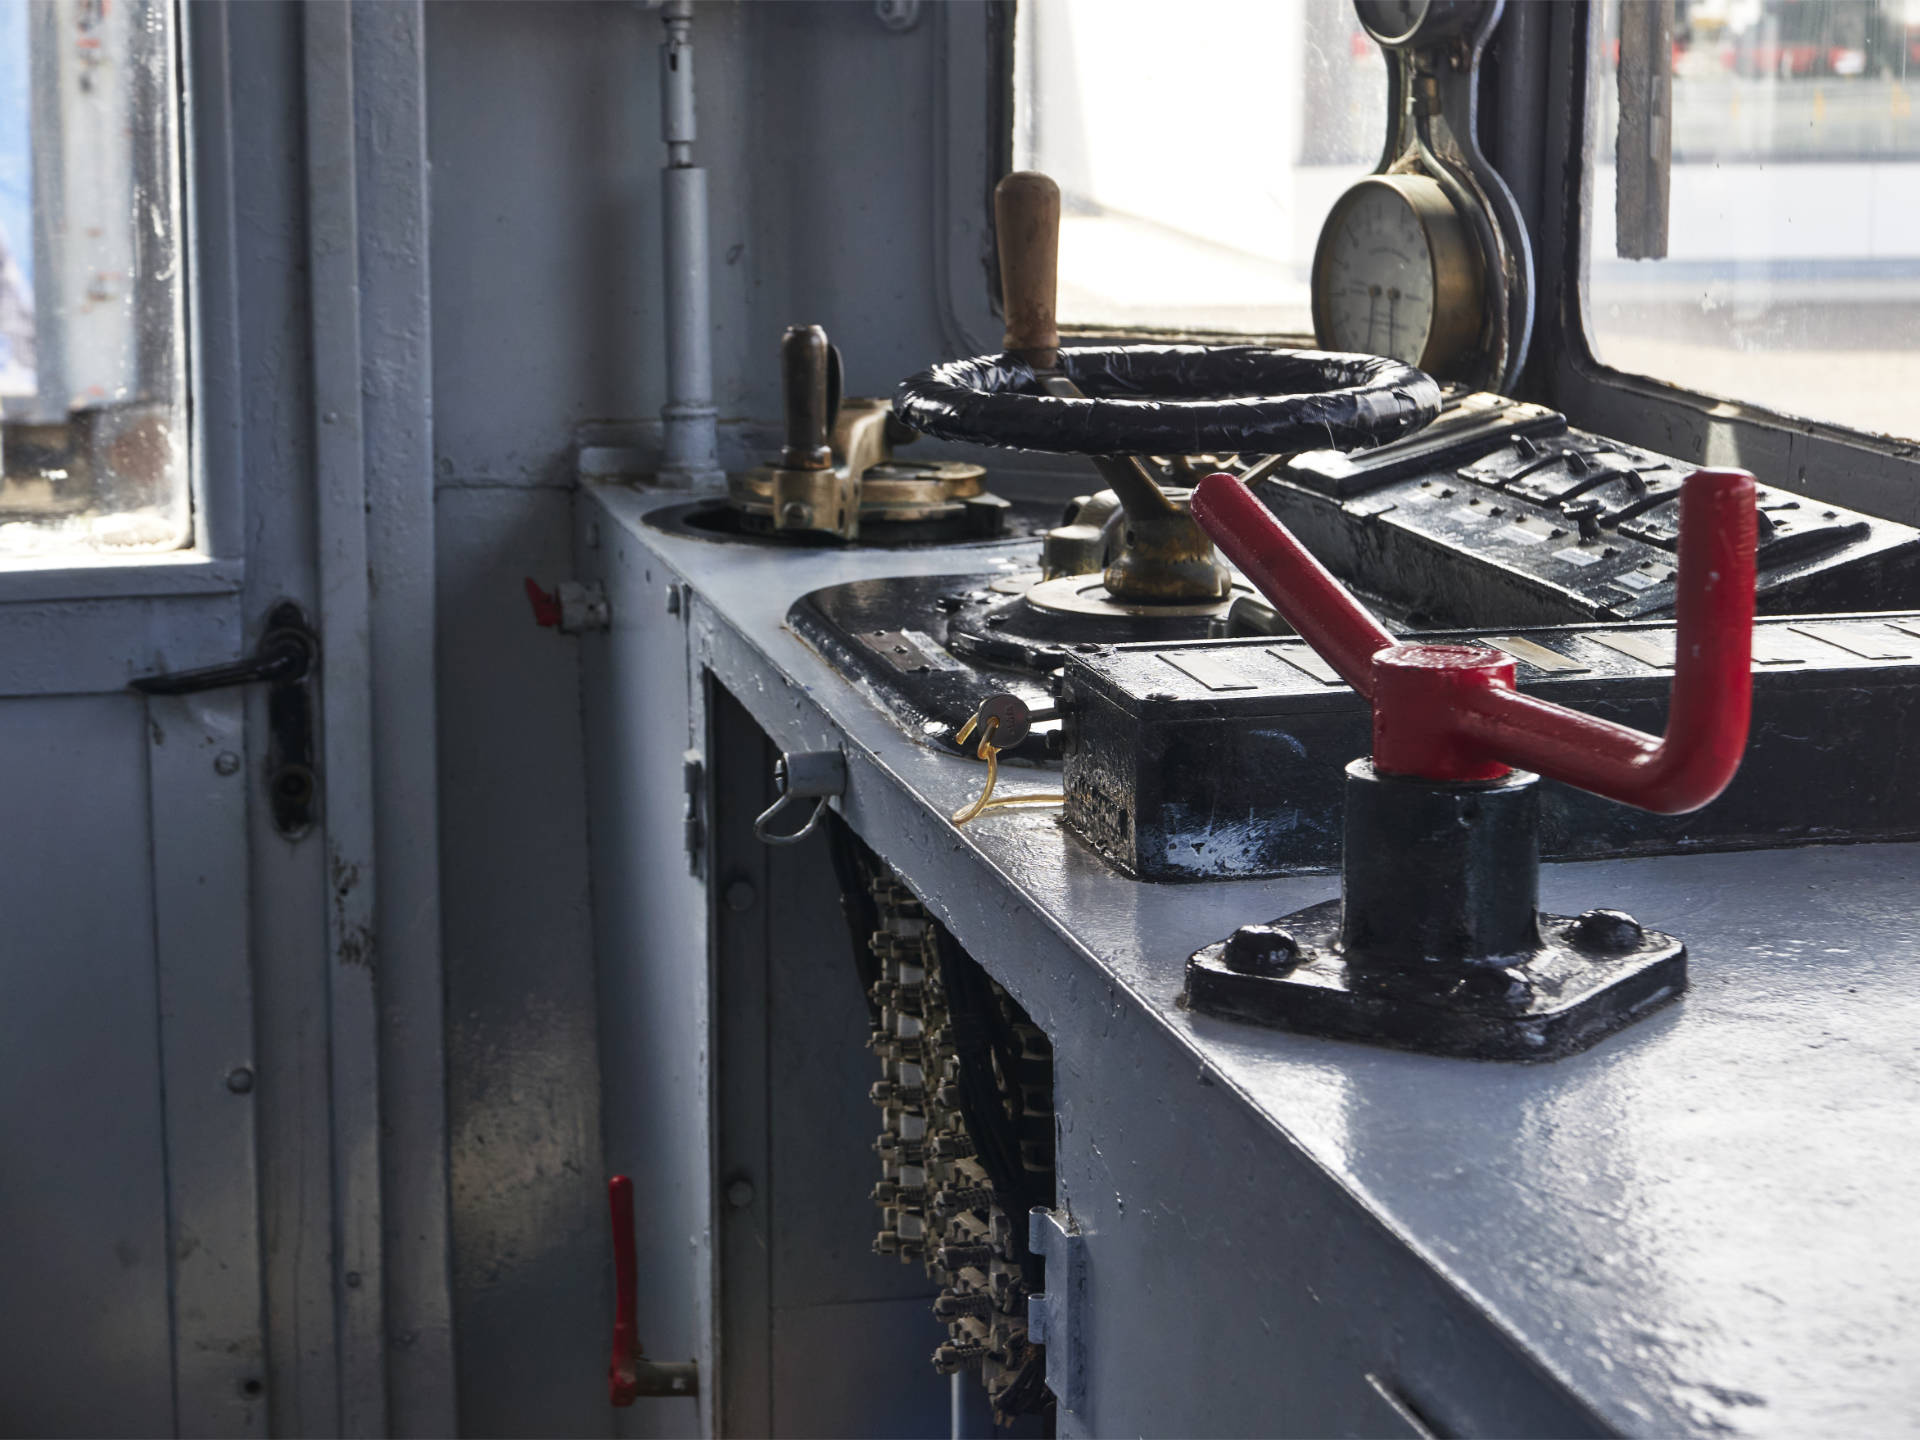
pixel 1437 943
pixel 1572 995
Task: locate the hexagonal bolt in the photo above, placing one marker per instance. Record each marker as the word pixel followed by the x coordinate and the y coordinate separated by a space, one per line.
pixel 1261 950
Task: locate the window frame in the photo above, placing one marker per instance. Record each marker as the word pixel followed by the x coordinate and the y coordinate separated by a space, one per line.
pixel 1536 63
pixel 211 562
pixel 1878 475
pixel 1001 17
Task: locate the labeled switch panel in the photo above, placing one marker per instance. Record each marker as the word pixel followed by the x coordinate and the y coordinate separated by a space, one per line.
pixel 1508 516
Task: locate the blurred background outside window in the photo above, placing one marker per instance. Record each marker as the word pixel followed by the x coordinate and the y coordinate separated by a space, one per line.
pixel 1792 270
pixel 93 455
pixel 1197 147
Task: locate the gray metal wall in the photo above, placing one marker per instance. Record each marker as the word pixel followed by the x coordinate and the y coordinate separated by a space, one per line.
pixel 819 128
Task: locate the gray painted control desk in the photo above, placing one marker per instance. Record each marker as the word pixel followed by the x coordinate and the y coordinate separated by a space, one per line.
pixel 1708 1224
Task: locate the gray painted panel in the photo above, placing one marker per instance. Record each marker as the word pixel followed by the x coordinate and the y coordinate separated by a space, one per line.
pixel 273 412
pixel 345 703
pixel 740 765
pixel 1653 1231
pixel 544 129
pixel 530 1219
pixel 823 1124
pixel 859 1370
pixel 83 647
pixel 199 776
pixel 650 927
pixel 544 124
pixel 840 226
pixel 820 1335
pixel 396 360
pixel 83 1240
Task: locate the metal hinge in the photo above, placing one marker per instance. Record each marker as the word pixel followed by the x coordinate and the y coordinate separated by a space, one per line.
pixel 693 773
pixel 1053 1318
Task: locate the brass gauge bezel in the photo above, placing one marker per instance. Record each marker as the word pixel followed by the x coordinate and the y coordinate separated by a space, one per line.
pixel 1459 273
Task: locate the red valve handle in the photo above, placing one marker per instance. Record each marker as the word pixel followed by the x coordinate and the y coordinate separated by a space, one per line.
pixel 1450 712
pixel 623 1381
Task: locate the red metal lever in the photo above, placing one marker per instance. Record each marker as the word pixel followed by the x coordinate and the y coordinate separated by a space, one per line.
pixel 623 1380
pixel 1450 712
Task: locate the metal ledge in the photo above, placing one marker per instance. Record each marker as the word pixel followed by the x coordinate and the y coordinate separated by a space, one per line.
pixel 1650 1237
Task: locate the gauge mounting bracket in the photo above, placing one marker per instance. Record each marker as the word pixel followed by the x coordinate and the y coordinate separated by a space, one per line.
pixel 1433 50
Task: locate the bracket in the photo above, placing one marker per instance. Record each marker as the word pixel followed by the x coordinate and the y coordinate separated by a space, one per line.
pixel 1054 1319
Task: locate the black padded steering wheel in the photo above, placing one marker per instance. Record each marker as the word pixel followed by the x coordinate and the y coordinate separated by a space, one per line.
pixel 1173 400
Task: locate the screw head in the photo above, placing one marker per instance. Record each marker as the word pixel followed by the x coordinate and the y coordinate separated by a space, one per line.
pixel 796 512
pixel 226 763
pixel 740 1193
pixel 741 895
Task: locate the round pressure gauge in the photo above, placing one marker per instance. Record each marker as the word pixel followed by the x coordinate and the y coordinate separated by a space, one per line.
pixel 1397 273
pixel 1394 23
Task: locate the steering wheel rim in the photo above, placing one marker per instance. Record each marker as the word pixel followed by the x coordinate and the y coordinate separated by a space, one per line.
pixel 1173 400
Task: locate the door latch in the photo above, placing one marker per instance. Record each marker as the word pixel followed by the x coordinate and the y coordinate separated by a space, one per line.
pixel 284 660
pixel 816 775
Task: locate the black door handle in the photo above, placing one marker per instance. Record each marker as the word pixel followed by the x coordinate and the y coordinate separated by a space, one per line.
pixel 286 652
pixel 285 658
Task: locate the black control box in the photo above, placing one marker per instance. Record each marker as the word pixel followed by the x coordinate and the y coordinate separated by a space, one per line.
pixel 1225 758
pixel 1500 514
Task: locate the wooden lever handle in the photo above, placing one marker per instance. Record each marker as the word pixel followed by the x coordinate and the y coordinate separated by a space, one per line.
pixel 1026 218
pixel 806 360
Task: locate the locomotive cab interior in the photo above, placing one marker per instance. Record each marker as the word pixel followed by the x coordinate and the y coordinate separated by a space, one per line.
pixel 959 717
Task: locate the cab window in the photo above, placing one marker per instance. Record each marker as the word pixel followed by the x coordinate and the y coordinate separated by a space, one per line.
pixel 1194 206
pixel 1778 261
pixel 93 435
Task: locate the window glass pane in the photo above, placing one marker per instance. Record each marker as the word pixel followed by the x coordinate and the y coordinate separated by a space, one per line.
pixel 1197 147
pixel 92 360
pixel 1791 276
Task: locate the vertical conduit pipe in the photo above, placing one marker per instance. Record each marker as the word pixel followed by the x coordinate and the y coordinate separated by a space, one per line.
pixel 691 455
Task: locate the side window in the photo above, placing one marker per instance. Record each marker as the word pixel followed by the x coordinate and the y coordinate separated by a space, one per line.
pixel 1778 260
pixel 93 402
pixel 1197 149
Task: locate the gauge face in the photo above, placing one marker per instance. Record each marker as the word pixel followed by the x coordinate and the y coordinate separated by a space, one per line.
pixel 1395 275
pixel 1390 21
pixel 1395 23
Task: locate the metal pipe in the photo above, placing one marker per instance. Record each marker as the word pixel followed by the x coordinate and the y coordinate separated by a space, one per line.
pixel 692 446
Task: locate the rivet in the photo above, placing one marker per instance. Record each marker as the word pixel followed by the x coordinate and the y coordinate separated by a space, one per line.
pixel 226 763
pixel 240 1079
pixel 740 1194
pixel 353 1279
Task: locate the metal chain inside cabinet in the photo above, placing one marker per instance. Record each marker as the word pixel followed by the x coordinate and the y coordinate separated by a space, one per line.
pixel 966 1096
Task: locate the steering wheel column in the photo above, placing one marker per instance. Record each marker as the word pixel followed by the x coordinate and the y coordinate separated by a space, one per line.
pixel 1118 403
